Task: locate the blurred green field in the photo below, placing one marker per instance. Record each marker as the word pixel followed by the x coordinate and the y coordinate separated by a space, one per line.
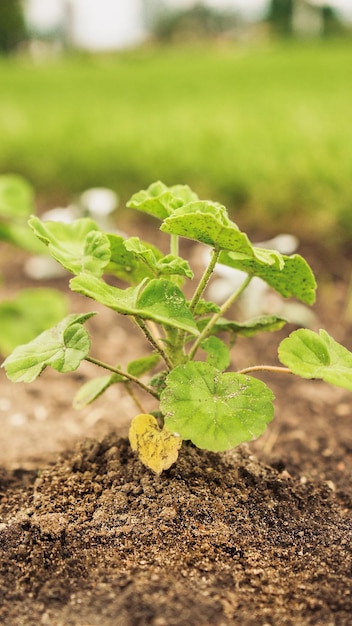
pixel 267 130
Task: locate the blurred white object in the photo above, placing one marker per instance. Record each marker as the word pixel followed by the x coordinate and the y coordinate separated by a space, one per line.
pixel 43 268
pixel 61 214
pixel 286 244
pixel 98 203
pixel 259 298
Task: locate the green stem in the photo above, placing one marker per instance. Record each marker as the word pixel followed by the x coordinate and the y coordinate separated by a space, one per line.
pixel 135 398
pixel 265 368
pixel 174 245
pixel 156 345
pixel 207 329
pixel 126 375
pixel 204 280
pixel 198 294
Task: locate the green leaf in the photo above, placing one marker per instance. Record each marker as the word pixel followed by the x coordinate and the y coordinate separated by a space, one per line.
pixel 215 411
pixel 312 355
pixel 206 306
pixel 262 323
pixel 166 304
pixel 79 246
pixel 160 301
pixel 171 265
pixel 16 197
pixel 160 201
pixel 138 367
pixel 121 300
pixel 62 347
pixel 217 351
pixel 125 264
pixel 145 252
pixel 158 381
pixel 94 388
pixel 269 257
pixel 207 222
pixel 157 264
pixel 31 312
pixel 295 278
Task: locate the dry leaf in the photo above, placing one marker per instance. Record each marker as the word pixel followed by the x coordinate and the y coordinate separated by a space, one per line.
pixel 156 448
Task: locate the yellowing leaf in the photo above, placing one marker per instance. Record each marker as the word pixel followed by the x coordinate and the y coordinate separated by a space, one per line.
pixel 156 448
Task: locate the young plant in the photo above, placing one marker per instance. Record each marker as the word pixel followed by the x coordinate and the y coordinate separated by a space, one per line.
pixel 197 400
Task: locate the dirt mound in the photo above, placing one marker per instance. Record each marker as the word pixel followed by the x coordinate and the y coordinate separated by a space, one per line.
pixel 98 540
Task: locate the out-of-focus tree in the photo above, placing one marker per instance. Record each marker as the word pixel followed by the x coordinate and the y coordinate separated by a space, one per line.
pixel 280 16
pixel 304 18
pixel 332 24
pixel 197 22
pixel 12 25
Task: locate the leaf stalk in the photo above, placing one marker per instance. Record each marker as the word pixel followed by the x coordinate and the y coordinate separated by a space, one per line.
pixel 126 375
pixel 265 368
pixel 199 292
pixel 174 245
pixel 153 341
pixel 226 305
pixel 204 280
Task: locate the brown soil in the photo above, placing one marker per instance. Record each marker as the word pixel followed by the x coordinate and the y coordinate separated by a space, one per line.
pixel 257 536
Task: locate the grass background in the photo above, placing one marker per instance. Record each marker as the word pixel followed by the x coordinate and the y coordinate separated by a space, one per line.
pixel 266 129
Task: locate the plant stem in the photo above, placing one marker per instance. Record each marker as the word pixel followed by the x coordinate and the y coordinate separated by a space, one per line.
pixel 135 399
pixel 206 330
pixel 204 280
pixel 174 239
pixel 156 345
pixel 265 368
pixel 229 302
pixel 126 375
pixel 199 292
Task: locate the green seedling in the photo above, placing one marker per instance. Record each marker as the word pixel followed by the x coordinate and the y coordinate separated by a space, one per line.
pixel 196 399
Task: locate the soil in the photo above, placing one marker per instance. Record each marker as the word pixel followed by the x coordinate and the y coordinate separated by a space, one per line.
pixel 257 536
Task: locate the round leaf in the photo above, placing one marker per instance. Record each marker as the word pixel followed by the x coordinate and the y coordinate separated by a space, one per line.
pixel 291 277
pixel 165 303
pixel 215 411
pixel 208 223
pixel 160 201
pixel 310 355
pixel 218 353
pixel 125 264
pixel 63 347
pixel 79 246
pixel 160 301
